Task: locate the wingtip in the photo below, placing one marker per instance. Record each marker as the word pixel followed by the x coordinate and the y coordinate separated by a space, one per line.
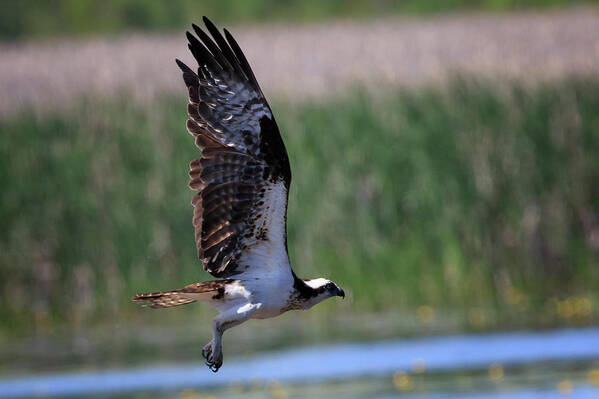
pixel 201 34
pixel 196 28
pixel 192 39
pixel 209 24
pixel 229 36
pixel 181 65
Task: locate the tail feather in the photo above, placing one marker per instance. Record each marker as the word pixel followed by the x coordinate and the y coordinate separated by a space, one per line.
pixel 167 299
pixel 205 291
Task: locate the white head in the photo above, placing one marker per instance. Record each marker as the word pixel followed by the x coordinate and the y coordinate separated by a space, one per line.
pixel 322 289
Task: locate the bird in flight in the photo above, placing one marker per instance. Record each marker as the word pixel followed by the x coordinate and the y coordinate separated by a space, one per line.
pixel 240 207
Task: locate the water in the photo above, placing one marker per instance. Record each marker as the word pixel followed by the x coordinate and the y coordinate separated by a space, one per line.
pixel 501 365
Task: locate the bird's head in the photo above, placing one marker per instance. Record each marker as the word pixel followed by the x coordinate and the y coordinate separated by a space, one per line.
pixel 324 289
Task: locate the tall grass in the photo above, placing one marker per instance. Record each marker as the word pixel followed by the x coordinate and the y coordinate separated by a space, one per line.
pixel 480 198
pixel 41 18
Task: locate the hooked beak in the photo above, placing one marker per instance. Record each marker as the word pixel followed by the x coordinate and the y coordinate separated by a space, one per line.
pixel 341 293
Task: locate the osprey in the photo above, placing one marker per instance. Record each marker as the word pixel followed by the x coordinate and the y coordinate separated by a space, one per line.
pixel 240 210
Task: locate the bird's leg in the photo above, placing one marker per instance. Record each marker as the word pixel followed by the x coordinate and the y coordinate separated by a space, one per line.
pixel 213 351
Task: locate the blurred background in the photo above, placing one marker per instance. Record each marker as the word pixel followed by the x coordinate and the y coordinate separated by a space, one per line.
pixel 445 160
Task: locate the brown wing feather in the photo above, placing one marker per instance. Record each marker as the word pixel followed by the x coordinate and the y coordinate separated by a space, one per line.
pixel 230 187
pixel 243 155
pixel 226 101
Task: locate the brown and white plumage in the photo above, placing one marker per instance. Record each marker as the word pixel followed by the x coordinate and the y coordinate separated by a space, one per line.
pixel 242 181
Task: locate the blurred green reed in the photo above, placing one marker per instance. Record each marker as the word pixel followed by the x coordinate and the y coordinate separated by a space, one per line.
pixel 41 18
pixel 480 198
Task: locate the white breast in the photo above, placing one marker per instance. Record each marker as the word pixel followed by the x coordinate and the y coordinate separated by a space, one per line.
pixel 266 257
pixel 266 279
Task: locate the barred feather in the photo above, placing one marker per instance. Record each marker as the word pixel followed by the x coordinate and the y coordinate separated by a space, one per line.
pixel 243 161
pixel 205 291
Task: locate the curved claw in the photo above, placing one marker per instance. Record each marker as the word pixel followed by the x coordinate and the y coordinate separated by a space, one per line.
pixel 212 364
pixel 207 351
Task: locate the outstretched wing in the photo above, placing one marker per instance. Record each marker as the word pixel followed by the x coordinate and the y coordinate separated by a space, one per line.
pixel 243 175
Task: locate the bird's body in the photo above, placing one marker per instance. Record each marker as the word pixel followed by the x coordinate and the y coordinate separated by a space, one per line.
pixel 240 210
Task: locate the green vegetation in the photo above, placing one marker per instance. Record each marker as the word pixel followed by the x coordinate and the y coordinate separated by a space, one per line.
pixel 42 18
pixel 481 199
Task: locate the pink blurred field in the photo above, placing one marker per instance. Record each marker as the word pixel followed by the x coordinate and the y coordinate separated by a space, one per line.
pixel 312 60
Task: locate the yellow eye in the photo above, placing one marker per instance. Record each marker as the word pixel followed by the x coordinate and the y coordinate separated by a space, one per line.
pixel 329 286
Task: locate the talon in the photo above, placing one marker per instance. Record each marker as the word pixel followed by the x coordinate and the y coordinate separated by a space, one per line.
pixel 206 352
pixel 218 363
pixel 210 361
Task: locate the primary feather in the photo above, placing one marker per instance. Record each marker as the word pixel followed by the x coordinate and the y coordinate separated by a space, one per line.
pixel 244 163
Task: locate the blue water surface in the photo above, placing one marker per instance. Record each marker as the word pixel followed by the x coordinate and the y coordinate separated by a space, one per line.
pixel 337 362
